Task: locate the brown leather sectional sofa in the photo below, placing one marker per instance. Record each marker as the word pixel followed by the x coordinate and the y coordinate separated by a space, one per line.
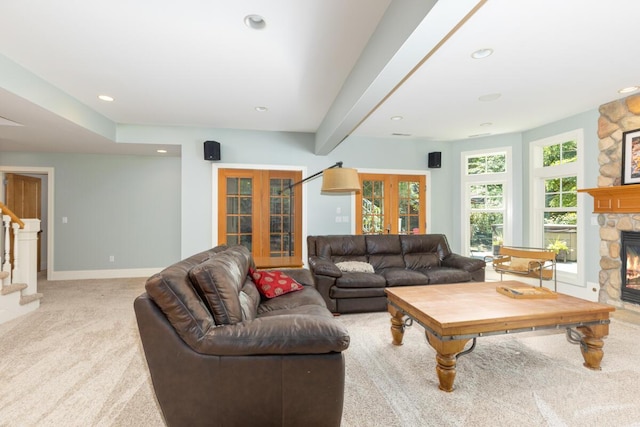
pixel 396 260
pixel 219 354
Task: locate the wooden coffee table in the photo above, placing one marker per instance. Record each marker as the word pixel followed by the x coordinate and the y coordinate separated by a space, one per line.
pixel 456 313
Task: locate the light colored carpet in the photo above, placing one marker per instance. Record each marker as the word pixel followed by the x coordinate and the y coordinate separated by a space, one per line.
pixel 78 361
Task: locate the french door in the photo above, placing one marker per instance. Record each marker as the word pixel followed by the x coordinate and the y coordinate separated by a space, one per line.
pixel 391 204
pixel 258 210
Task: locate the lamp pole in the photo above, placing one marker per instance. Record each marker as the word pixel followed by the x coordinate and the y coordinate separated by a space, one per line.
pixel 290 187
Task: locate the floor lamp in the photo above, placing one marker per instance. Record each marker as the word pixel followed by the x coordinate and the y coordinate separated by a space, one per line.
pixel 335 179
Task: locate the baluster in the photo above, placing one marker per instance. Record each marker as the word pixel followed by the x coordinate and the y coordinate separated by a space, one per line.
pixel 16 255
pixel 6 266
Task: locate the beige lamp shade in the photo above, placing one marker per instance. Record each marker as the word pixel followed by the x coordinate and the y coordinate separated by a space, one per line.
pixel 340 180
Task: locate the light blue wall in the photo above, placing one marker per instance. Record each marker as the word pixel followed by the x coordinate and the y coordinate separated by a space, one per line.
pixel 125 206
pixel 150 211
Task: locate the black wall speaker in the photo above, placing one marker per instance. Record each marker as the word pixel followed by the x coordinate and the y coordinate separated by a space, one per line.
pixel 435 159
pixel 211 150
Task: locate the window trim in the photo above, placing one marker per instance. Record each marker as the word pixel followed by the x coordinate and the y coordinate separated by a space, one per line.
pixel 537 175
pixel 504 178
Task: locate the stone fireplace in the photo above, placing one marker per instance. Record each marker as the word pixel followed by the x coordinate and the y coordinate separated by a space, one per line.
pixel 615 118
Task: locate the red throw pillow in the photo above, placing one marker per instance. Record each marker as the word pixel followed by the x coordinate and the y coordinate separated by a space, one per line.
pixel 273 283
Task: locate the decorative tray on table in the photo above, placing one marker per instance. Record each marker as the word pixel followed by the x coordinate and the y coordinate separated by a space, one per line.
pixel 524 291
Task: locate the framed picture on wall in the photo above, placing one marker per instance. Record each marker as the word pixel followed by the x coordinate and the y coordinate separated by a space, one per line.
pixel 631 157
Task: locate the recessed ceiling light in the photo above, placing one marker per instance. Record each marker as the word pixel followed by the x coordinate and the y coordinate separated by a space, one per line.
pixel 400 134
pixel 161 151
pixel 255 22
pixel 479 135
pixel 629 89
pixel 262 109
pixel 482 53
pixel 486 124
pixel 489 97
pixel 396 118
pixel 105 98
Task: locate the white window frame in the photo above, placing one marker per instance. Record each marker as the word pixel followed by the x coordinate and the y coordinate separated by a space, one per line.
pixel 538 174
pixel 504 178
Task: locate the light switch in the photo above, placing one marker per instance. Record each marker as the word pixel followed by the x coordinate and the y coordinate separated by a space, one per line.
pixel 64 219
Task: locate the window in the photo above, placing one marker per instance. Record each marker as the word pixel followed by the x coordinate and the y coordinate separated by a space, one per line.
pixel 556 172
pixel 391 204
pixel 485 201
pixel 255 210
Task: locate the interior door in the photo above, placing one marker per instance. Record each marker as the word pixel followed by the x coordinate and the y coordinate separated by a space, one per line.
pixel 391 204
pixel 23 197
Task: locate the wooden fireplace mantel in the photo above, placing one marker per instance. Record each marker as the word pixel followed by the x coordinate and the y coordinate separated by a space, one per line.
pixel 616 199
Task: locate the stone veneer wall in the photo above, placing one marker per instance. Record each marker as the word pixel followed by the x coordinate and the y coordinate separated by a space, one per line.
pixel 615 118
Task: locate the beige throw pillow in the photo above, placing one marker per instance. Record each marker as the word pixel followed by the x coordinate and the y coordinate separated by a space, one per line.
pixel 355 267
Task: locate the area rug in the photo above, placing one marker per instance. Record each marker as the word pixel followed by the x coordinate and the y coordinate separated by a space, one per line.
pixel 77 361
pixel 525 379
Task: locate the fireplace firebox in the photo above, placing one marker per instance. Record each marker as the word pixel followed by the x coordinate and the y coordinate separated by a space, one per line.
pixel 630 257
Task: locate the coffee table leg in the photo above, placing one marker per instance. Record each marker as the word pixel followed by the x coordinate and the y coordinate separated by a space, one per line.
pixel 446 359
pixel 591 344
pixel 397 325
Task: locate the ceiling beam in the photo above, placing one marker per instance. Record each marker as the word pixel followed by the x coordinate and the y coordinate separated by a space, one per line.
pixel 409 32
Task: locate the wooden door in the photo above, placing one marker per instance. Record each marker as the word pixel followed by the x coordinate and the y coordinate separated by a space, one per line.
pixel 23 197
pixel 392 204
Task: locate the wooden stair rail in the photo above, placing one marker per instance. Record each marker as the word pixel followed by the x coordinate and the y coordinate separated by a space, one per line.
pixel 13 216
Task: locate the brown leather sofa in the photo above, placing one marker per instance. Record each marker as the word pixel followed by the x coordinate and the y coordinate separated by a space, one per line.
pixel 219 354
pixel 395 260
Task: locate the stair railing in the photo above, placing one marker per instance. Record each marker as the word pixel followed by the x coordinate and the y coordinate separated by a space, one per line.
pixel 10 222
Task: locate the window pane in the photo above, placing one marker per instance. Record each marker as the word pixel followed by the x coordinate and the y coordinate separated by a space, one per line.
pixel 232 205
pixel 246 186
pixel 560 234
pixel 496 163
pixel 486 229
pixel 232 224
pixel 476 165
pixel 569 152
pixel 245 205
pixel 245 224
pixel 232 185
pixel 372 207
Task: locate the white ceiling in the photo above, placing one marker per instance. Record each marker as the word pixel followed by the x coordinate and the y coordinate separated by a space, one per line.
pixel 319 66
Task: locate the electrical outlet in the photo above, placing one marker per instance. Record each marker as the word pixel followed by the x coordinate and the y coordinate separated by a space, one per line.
pixel 112 258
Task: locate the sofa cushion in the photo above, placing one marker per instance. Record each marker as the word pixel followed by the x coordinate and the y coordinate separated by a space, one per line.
pixel 404 277
pixel 342 248
pixel 273 283
pixel 355 267
pixel 384 251
pixel 416 261
pixel 383 244
pixel 306 297
pixel 446 275
pixel 425 243
pixel 220 280
pixel 360 280
pixel 380 262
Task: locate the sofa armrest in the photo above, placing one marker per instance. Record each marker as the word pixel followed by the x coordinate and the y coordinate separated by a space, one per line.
pixel 282 334
pixel 324 267
pixel 463 263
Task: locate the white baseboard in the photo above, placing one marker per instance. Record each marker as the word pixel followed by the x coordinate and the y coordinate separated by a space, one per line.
pixel 102 274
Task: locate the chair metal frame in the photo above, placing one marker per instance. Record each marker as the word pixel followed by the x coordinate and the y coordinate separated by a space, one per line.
pixel 541 266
